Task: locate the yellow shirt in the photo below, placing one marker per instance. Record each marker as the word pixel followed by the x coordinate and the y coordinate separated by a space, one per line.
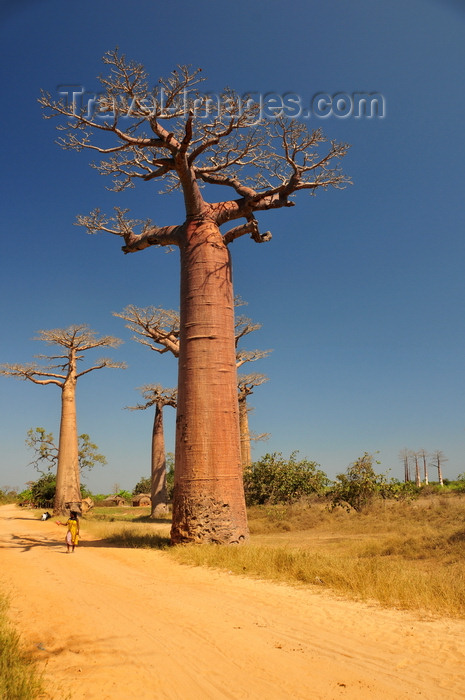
pixel 73 529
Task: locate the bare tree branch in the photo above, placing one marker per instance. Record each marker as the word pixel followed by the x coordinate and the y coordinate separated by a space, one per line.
pixel 121 225
pixel 184 138
pixel 247 382
pixel 155 394
pixel 76 339
pixel 153 327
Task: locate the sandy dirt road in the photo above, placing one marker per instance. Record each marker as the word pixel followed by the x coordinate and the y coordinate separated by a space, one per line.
pixel 117 624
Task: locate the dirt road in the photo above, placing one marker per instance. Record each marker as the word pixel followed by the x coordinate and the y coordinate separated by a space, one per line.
pixel 122 624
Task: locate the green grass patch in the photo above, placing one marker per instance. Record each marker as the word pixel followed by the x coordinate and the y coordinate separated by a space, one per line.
pixel 124 514
pixel 19 679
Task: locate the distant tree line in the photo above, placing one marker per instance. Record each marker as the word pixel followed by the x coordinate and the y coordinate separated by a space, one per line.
pixel 417 463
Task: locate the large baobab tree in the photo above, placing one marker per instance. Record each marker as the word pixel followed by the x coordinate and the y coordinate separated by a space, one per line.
pixel 177 135
pixel 156 395
pixel 63 371
pixel 245 385
pixel 158 329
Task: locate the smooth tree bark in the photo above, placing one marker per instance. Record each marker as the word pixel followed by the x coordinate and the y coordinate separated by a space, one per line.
pixel 64 373
pixel 246 385
pixel 156 395
pixel 178 135
pixel 159 330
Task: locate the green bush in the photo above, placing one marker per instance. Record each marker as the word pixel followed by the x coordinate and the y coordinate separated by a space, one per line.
pixel 170 481
pixel 144 485
pixel 360 485
pixel 274 479
pixel 43 490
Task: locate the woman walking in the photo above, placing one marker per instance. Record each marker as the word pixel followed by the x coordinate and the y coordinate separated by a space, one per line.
pixel 72 534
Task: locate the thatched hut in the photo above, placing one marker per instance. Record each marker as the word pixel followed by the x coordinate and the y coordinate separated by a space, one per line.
pixel 112 501
pixel 142 499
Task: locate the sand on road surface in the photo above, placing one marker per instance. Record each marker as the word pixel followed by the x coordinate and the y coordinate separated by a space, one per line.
pixel 115 624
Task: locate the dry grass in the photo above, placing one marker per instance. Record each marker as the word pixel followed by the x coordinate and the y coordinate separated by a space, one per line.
pixel 408 555
pixel 19 679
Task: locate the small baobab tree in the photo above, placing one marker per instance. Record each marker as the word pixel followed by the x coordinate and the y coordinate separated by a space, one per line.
pixel 246 384
pixel 63 371
pixel 181 137
pixel 156 395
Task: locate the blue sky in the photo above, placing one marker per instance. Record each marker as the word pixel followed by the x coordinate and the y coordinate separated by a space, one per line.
pixel 360 292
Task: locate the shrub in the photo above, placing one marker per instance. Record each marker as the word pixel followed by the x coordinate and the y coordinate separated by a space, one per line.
pixel 8 495
pixel 274 479
pixel 358 487
pixel 43 490
pixel 144 485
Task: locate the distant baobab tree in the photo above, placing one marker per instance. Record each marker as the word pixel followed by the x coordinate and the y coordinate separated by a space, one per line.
pixel 156 395
pixel 156 328
pixel 437 460
pixel 172 135
pixel 404 456
pixel 63 372
pixel 424 457
pixel 246 384
pixel 416 457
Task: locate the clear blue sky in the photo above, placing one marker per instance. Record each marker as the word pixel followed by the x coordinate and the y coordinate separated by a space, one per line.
pixel 360 292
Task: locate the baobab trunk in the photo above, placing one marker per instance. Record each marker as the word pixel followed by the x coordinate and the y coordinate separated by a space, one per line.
pixel 208 504
pixel 68 486
pixel 246 457
pixel 159 493
pixel 440 479
pixel 417 473
pixel 425 469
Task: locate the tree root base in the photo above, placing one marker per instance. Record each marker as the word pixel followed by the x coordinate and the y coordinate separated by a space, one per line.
pixel 205 520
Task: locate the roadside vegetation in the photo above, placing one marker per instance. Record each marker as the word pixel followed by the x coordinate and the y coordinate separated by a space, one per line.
pixel 363 535
pixel 407 553
pixel 19 678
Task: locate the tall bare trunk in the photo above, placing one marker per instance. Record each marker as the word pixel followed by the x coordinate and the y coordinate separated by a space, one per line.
pixel 159 493
pixel 425 469
pixel 208 504
pixel 417 473
pixel 406 469
pixel 440 479
pixel 246 457
pixel 68 487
